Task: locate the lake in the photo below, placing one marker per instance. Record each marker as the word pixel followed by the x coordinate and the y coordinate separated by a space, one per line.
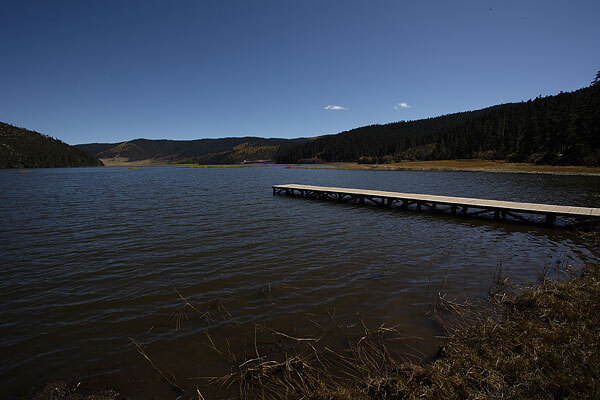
pixel 93 256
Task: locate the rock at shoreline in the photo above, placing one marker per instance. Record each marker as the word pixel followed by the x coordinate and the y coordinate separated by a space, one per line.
pixel 61 390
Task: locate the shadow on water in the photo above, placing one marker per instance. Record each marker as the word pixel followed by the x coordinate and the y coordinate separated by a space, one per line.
pixel 562 230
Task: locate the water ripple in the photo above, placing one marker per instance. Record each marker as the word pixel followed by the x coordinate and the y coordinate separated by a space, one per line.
pixel 92 256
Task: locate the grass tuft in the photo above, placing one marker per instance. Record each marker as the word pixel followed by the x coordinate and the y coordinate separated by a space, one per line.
pixel 541 342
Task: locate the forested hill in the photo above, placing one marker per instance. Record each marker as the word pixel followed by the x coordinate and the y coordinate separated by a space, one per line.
pixel 201 151
pixel 563 129
pixel 21 148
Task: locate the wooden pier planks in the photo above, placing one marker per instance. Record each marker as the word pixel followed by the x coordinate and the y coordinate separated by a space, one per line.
pixel 387 198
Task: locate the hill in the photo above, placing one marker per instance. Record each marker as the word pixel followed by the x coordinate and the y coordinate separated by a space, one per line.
pixel 22 148
pixel 201 151
pixel 561 130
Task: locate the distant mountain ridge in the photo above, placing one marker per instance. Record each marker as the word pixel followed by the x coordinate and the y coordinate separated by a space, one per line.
pixel 22 148
pixel 201 151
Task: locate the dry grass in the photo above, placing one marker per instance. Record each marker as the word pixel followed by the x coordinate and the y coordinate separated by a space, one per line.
pixel 541 342
pixel 460 165
pixel 538 342
pixel 305 367
pixel 124 162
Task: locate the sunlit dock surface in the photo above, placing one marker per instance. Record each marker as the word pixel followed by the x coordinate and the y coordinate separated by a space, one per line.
pixel 465 206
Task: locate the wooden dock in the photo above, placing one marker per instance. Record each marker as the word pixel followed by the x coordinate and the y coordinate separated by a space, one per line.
pixel 453 205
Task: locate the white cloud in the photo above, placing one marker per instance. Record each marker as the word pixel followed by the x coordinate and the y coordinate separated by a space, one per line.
pixel 330 107
pixel 402 105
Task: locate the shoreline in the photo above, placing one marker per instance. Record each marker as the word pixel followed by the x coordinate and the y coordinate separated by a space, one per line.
pixel 497 166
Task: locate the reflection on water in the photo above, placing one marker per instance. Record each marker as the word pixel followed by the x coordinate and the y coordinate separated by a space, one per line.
pixel 93 256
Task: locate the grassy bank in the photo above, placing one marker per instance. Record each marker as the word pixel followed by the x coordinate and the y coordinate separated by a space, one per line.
pixel 541 342
pixel 461 165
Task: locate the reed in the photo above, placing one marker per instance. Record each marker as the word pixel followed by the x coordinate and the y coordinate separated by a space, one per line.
pixel 536 342
pixel 540 342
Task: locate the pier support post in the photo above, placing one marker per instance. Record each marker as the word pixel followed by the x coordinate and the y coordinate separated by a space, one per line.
pixel 496 214
pixel 550 219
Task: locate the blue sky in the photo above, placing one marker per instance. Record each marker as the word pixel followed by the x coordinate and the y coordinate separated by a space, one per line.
pixel 109 71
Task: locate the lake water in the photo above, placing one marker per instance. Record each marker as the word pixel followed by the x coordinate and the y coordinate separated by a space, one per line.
pixel 90 257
